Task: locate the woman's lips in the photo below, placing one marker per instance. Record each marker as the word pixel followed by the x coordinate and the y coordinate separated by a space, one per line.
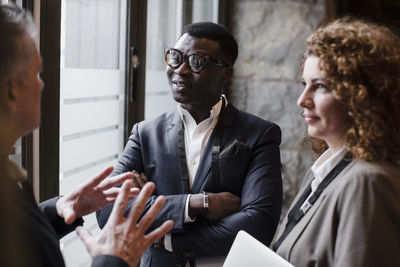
pixel 310 119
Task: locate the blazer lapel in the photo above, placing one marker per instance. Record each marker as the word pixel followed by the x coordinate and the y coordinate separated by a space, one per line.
pixel 172 135
pixel 205 162
pixel 173 148
pixel 296 232
pixel 294 235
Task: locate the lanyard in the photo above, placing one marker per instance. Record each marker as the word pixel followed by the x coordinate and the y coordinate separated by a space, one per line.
pixel 217 142
pixel 300 208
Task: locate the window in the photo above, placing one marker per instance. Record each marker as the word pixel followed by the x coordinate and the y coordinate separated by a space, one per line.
pixel 165 21
pixel 92 99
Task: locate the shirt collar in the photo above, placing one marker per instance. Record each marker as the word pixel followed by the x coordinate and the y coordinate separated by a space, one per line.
pixel 214 112
pixel 321 168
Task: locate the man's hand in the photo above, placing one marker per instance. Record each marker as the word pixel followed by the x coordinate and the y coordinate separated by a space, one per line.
pixel 139 179
pixel 125 237
pixel 220 205
pixel 92 195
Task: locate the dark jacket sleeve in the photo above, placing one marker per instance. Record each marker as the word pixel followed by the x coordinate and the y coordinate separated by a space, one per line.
pixel 131 159
pixel 48 208
pixel 260 192
pixel 108 261
pixel 261 201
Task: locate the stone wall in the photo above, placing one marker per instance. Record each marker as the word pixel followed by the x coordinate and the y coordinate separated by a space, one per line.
pixel 266 82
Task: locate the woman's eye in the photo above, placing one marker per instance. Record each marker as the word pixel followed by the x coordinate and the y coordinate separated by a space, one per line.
pixel 320 86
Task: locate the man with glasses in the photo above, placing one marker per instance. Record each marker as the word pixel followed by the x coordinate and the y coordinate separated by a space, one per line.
pixel 218 167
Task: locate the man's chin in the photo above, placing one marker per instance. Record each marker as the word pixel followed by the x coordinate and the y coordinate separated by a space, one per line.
pixel 31 129
pixel 181 99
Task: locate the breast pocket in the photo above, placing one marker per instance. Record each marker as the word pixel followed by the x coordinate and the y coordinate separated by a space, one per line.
pixel 233 171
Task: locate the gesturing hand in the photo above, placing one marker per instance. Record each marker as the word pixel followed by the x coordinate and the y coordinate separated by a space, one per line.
pixel 92 195
pixel 139 179
pixel 125 237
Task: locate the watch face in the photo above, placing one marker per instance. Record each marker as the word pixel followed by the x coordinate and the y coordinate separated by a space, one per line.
pixel 205 201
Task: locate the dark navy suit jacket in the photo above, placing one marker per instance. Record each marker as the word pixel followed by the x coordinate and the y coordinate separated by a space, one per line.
pixel 30 233
pixel 253 174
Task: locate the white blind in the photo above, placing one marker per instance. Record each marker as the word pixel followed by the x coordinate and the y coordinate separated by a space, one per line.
pixel 92 99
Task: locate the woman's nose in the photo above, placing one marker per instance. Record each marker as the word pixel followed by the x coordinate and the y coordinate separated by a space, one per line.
pixel 305 99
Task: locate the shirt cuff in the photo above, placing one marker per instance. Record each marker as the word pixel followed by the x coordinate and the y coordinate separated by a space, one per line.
pixel 168 242
pixel 187 217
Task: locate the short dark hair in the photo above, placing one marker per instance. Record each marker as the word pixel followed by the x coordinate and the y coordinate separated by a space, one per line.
pixel 215 32
pixel 16 25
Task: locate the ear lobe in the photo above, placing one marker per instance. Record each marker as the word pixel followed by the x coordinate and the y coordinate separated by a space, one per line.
pixel 8 97
pixel 227 74
pixel 10 92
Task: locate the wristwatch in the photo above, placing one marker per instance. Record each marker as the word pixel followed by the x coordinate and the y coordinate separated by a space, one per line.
pixel 205 204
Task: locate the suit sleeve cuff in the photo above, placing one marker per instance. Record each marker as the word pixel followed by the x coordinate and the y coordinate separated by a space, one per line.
pixel 48 207
pixel 108 260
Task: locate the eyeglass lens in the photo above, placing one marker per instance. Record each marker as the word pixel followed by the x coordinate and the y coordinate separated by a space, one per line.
pixel 196 62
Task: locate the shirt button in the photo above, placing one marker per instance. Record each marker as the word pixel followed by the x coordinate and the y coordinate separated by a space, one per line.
pixel 193 162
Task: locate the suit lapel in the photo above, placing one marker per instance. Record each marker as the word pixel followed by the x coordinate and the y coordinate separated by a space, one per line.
pixel 173 148
pixel 297 231
pixel 172 135
pixel 204 168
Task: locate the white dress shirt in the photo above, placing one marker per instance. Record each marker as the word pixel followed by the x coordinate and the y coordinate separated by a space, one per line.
pixel 321 168
pixel 196 138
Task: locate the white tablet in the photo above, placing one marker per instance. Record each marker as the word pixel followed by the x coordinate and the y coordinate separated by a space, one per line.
pixel 248 251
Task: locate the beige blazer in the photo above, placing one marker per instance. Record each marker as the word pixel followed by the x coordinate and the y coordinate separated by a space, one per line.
pixel 355 222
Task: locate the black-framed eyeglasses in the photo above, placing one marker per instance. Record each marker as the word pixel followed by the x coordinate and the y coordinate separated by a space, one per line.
pixel 195 62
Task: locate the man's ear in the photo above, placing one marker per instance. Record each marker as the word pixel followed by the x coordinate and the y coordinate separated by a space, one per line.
pixel 8 94
pixel 227 75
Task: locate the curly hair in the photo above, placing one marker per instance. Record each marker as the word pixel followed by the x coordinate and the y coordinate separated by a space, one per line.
pixel 362 62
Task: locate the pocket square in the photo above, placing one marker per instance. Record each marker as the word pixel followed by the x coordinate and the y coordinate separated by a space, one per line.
pixel 236 147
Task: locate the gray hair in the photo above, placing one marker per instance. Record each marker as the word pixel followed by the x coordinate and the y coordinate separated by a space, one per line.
pixel 16 27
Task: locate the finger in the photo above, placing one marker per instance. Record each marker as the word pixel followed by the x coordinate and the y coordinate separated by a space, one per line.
pixel 142 179
pixel 151 214
pixel 69 215
pixel 137 179
pixel 139 204
pixel 132 195
pixel 118 210
pixel 113 192
pixel 135 183
pixel 114 181
pixel 65 209
pixel 134 191
pixel 100 176
pixel 86 237
pixel 159 232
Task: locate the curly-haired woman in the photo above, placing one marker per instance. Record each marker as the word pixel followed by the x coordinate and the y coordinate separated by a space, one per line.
pixel 347 212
